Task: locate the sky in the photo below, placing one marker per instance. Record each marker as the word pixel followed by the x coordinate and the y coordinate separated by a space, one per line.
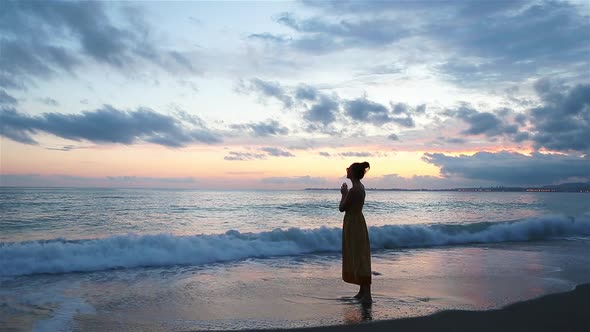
pixel 287 94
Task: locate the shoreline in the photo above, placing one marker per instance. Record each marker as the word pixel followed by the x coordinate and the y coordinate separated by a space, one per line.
pixel 567 311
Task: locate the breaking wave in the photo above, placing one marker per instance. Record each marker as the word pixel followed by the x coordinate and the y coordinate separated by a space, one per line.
pixel 130 251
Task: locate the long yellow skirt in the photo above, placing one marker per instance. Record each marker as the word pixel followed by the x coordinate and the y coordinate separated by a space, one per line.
pixel 356 250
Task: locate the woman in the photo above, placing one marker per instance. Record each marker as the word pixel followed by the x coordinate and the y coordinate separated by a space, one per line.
pixel 356 251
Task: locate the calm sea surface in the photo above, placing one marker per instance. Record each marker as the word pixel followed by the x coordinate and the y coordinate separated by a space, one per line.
pixel 43 214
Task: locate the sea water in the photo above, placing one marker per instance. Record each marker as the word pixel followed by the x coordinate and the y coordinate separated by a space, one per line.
pixel 154 259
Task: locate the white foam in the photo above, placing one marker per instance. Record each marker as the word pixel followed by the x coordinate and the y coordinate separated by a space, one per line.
pixel 63 318
pixel 130 251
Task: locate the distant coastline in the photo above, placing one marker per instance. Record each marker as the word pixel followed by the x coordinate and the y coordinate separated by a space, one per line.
pixel 564 187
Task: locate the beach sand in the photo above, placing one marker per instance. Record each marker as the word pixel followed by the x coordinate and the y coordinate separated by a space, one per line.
pixel 569 311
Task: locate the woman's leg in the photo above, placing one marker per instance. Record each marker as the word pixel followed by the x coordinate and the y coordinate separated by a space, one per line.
pixel 360 293
pixel 366 294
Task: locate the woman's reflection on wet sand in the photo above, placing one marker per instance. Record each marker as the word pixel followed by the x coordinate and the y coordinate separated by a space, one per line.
pixel 358 313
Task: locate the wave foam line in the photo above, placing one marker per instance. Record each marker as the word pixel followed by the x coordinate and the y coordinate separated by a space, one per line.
pixel 130 251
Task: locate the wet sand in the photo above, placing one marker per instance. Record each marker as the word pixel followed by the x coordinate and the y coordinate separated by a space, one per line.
pixel 569 311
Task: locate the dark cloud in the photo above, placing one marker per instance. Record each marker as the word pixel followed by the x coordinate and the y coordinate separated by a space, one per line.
pixel 367 111
pixel 396 181
pixel 43 38
pixel 23 62
pixel 263 129
pixel 521 137
pixel 393 137
pixel 491 40
pixel 563 122
pixel 485 123
pixel 269 37
pixel 6 99
pixel 105 125
pixel 451 140
pixel 18 127
pixel 324 154
pixel 510 41
pixel 364 110
pixel 420 109
pixel 320 111
pixel 306 92
pixel 423 7
pixel 520 119
pixel 268 89
pixel 323 112
pixel 321 35
pixel 276 152
pixel 242 156
pixel 511 168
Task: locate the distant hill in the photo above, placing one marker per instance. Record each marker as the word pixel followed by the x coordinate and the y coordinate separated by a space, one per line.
pixel 563 187
pixel 570 187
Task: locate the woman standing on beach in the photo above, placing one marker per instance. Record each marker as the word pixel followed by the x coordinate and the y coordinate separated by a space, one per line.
pixel 356 251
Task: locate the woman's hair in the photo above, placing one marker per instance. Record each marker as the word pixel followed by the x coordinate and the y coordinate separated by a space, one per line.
pixel 358 170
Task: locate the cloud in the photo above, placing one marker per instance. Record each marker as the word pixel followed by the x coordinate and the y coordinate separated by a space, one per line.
pixel 364 110
pixel 276 152
pixel 59 180
pixel 562 123
pixel 269 37
pixel 319 35
pixel 66 148
pixel 263 129
pixel 356 154
pixel 508 40
pixel 268 151
pixel 403 7
pixel 359 154
pixel 511 168
pixel 482 123
pixel 305 92
pixel 105 125
pixel 393 137
pixel 6 99
pixel 297 180
pixel 143 179
pixel 323 112
pixel 452 140
pixel 475 42
pixel 266 89
pixel 43 38
pixel 396 181
pixel 48 101
pixel 320 112
pixel 243 156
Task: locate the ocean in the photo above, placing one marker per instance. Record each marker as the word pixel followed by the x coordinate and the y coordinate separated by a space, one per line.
pixel 161 259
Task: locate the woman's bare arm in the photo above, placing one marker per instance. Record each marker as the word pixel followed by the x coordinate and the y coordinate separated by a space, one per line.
pixel 344 199
pixel 348 199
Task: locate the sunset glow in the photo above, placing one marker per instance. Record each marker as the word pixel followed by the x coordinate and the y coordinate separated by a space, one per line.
pixel 287 94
